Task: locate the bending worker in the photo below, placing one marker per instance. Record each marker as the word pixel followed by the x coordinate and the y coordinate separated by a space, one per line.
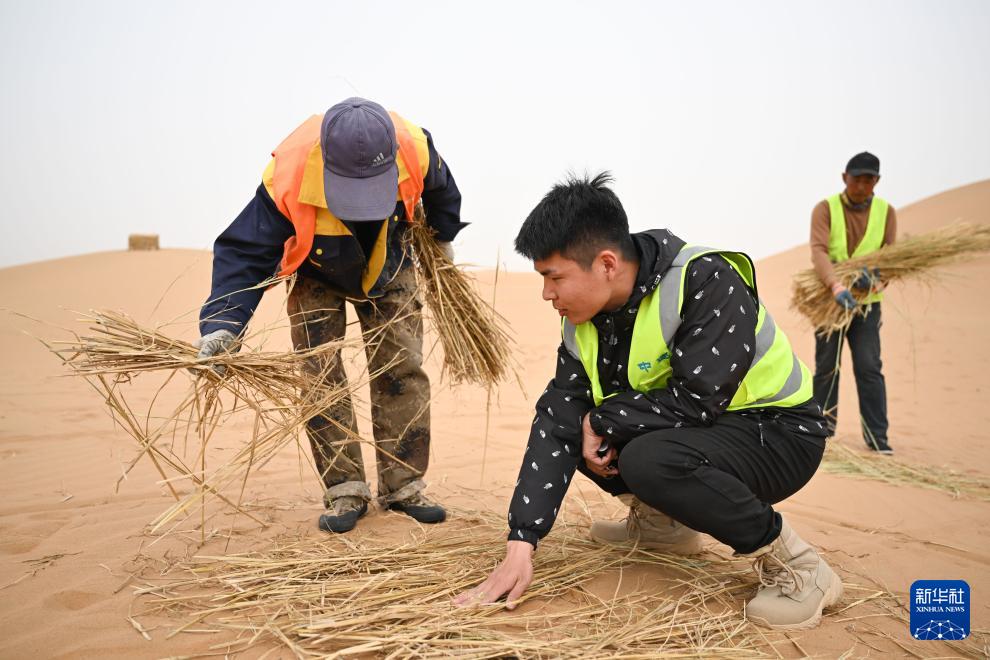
pixel 333 207
pixel 854 223
pixel 673 386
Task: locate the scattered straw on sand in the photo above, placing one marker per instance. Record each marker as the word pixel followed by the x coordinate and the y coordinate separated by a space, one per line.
pixel 476 341
pixel 334 596
pixel 914 257
pixel 368 596
pixel 842 460
pixel 279 391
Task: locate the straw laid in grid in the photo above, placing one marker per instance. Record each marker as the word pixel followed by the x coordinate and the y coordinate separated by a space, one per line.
pixel 914 257
pixel 281 391
pixel 842 460
pixel 336 596
pixel 475 338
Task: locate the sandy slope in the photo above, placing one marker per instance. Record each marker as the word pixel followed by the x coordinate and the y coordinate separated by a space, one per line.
pixel 60 456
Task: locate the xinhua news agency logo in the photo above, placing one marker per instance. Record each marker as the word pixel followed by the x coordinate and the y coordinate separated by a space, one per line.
pixel 940 609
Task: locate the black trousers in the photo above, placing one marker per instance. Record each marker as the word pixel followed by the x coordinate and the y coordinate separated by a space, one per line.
pixel 720 480
pixel 864 344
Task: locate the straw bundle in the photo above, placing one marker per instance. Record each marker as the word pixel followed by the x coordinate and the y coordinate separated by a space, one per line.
pixel 912 257
pixel 277 389
pixel 142 242
pixel 337 596
pixel 475 338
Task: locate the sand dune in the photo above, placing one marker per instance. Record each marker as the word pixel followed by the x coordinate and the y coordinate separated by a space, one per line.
pixel 68 542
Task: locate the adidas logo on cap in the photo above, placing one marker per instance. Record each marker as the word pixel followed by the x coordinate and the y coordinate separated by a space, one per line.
pixel 378 160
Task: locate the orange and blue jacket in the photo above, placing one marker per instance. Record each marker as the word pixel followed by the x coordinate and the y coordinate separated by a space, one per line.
pixel 355 259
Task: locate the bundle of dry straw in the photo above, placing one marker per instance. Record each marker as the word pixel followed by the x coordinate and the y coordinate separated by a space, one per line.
pixel 912 257
pixel 281 391
pixel 338 597
pixel 475 338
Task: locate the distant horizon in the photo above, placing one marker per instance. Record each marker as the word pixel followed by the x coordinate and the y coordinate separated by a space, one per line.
pixel 472 266
pixel 727 122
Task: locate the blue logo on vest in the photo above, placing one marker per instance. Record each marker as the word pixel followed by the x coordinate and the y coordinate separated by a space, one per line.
pixel 644 366
pixel 665 356
pixel 939 609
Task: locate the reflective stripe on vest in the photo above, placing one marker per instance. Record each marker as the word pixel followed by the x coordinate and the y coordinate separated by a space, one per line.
pixel 838 244
pixel 775 376
pixel 410 187
pixel 294 180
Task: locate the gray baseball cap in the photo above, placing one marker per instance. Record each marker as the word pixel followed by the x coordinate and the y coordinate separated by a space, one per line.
pixel 360 177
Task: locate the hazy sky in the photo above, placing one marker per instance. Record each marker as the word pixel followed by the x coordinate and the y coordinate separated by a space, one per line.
pixel 725 121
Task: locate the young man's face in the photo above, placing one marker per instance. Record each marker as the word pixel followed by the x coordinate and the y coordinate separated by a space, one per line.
pixel 859 187
pixel 576 293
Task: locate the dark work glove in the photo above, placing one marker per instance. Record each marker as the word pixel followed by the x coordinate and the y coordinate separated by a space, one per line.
pixel 845 300
pixel 867 278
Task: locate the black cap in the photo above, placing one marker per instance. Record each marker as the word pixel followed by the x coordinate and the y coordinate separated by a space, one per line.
pixel 864 163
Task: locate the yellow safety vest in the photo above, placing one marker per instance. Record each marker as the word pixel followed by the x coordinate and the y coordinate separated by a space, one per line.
pixel 774 377
pixel 838 245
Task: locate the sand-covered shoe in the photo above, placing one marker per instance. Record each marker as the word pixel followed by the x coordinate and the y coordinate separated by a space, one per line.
pixel 795 584
pixel 344 514
pixel 650 529
pixel 419 507
pixel 409 499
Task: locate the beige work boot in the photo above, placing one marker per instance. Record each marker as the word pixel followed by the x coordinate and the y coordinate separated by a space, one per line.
pixel 650 529
pixel 795 584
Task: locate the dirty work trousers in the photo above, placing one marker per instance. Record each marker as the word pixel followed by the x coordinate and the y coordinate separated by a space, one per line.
pixel 720 480
pixel 864 344
pixel 400 396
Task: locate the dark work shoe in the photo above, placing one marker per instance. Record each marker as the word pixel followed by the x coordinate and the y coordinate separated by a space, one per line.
pixel 344 515
pixel 419 508
pixel 881 447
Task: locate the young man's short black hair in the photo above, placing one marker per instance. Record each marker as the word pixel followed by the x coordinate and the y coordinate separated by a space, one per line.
pixel 577 219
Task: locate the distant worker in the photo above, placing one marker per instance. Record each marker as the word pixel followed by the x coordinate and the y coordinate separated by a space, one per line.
pixel 854 223
pixel 333 207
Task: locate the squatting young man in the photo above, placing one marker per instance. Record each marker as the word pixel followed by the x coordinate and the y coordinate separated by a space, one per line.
pixel 673 388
